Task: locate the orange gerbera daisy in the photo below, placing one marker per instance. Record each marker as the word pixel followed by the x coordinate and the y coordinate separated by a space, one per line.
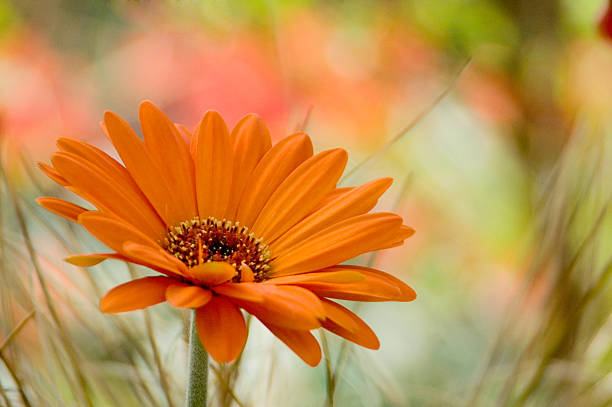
pixel 230 221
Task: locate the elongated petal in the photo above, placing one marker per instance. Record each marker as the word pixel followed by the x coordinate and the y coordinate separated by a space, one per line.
pixel 338 243
pixel 376 286
pixel 142 169
pixel 107 191
pixel 334 277
pixel 252 141
pixel 303 343
pixel 397 238
pixel 270 172
pixel 121 178
pixel 212 273
pixel 240 291
pixel 53 174
pixel 285 306
pixel 88 260
pixel 116 172
pixel 346 324
pixel 154 256
pixel 355 202
pixel 299 193
pixel 62 208
pixel 339 315
pixel 187 296
pixel 222 329
pixel 213 165
pixel 170 154
pixel 332 196
pixel 113 232
pixel 136 294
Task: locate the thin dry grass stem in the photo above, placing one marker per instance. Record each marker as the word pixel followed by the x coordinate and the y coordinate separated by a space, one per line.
pixel 26 164
pixel 7 401
pixel 71 245
pixel 134 342
pixel 301 127
pixel 226 388
pixel 82 390
pixel 140 386
pixel 550 324
pixel 16 330
pixel 112 349
pixel 597 287
pixel 12 372
pixel 13 334
pixel 162 375
pixel 329 374
pixel 416 120
pixel 550 224
pixel 227 376
pixel 163 381
pixel 332 373
pixel 271 376
pixel 560 340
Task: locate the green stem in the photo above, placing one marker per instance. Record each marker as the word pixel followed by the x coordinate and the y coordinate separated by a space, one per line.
pixel 197 385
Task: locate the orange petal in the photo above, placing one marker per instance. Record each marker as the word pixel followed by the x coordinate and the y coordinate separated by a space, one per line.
pixel 376 286
pixel 136 294
pixel 285 306
pixel 303 343
pixel 212 273
pixel 355 202
pixel 53 174
pixel 252 141
pixel 240 291
pixel 114 171
pixel 306 186
pixel 154 256
pixel 110 192
pixel 102 160
pixel 273 168
pixel 222 329
pixel 187 296
pixel 336 277
pixel 88 260
pixel 401 234
pixel 142 169
pixel 246 273
pixel 113 232
pixel 338 243
pixel 169 152
pixel 213 166
pixel 60 207
pixel 332 196
pixel 346 324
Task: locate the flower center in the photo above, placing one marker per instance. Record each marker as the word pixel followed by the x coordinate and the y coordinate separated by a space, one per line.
pixel 198 241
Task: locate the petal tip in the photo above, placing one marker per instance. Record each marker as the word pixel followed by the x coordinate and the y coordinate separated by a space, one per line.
pixel 84 261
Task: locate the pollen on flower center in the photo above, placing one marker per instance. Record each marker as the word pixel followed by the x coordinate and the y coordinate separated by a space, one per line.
pixel 198 241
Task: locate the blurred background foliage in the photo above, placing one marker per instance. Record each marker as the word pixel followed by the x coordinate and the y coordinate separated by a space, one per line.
pixel 493 116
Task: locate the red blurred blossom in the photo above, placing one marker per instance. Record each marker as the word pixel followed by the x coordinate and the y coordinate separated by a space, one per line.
pixel 490 95
pixel 188 71
pixel 605 25
pixel 41 99
pixel 355 77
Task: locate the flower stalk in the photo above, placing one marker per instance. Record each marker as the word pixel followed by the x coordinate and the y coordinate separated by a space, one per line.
pixel 197 385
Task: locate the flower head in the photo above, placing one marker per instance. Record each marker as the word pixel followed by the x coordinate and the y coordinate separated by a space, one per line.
pixel 231 222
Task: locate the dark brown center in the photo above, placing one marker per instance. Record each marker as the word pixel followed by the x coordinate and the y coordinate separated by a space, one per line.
pixel 198 241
